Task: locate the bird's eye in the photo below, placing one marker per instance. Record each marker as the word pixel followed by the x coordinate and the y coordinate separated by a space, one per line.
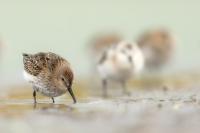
pixel 63 79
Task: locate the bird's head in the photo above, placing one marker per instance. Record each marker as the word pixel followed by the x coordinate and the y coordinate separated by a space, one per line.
pixel 65 79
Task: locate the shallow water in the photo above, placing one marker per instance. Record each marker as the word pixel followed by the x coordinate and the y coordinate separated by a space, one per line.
pixel 144 111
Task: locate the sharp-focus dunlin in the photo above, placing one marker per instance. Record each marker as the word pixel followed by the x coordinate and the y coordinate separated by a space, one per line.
pixel 49 74
pixel 119 63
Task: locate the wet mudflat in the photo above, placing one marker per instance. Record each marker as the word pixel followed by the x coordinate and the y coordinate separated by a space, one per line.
pixel 144 111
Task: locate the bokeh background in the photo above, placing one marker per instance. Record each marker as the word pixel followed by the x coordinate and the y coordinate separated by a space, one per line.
pixel 65 27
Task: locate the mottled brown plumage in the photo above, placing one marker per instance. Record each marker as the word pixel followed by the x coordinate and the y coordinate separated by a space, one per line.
pixel 33 64
pixel 49 74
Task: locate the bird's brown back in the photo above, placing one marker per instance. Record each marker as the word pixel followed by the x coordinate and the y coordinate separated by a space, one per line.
pixel 42 62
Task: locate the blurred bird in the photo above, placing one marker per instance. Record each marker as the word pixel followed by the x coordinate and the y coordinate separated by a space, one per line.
pixel 101 42
pixel 49 74
pixel 119 63
pixel 157 46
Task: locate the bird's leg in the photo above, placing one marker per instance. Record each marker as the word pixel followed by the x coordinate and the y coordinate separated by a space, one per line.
pixel 53 100
pixel 123 84
pixel 104 83
pixel 34 93
pixel 34 96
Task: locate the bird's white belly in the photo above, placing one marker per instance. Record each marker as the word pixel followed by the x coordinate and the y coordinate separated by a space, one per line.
pixel 115 72
pixel 50 92
pixel 47 90
pixel 44 89
pixel 29 77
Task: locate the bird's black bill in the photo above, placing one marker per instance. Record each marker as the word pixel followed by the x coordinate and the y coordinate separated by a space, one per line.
pixel 72 94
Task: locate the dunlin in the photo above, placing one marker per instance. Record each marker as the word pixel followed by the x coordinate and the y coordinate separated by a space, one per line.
pixel 157 46
pixel 49 74
pixel 119 63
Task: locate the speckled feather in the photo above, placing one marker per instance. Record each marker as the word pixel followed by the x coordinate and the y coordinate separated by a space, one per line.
pixel 34 64
pixel 37 63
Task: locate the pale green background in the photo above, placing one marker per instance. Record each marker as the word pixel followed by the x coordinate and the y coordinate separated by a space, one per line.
pixel 65 27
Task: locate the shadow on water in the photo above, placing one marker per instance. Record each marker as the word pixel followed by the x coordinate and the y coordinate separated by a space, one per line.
pixel 48 106
pixel 12 108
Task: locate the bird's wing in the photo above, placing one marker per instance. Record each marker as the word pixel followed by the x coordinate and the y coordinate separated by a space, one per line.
pixel 53 61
